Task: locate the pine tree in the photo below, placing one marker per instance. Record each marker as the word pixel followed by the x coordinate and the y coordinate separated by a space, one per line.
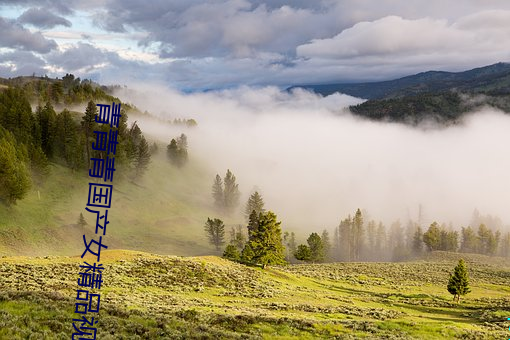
pixel 88 124
pixel 345 233
pixel 266 241
pixel 217 193
pixel 231 253
pixel 255 203
pixel 253 225
pixel 326 243
pixel 371 238
pixel 215 231
pixel 458 283
pixel 81 221
pixel 357 234
pixel 470 243
pixel 143 158
pixel 316 247
pixel 14 175
pixel 303 253
pixel 230 192
pixel 46 118
pixel 289 240
pixel 381 240
pixel 237 237
pixel 247 254
pixel 418 241
pixel 432 237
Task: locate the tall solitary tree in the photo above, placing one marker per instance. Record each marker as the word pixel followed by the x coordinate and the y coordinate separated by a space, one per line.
pixel 458 284
pixel 215 231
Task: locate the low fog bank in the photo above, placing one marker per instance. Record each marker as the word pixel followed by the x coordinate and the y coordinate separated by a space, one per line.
pixel 315 163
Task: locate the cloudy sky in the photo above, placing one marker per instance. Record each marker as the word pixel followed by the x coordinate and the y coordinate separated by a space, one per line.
pixel 198 44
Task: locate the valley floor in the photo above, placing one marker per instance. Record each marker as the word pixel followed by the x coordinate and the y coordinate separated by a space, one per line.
pixel 146 296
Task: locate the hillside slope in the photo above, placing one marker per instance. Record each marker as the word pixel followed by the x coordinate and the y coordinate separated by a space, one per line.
pixel 164 213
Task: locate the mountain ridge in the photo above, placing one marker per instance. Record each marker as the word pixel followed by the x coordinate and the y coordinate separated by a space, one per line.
pixel 491 78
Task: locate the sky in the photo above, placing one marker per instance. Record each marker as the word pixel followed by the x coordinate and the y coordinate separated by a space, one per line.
pixel 193 45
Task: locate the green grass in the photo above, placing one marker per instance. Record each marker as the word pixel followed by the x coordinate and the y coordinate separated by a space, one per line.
pixel 146 296
pixel 163 213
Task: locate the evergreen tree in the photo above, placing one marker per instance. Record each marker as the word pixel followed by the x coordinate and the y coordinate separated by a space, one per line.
pixel 432 237
pixel 326 243
pixel 154 149
pixel 88 124
pixel 14 175
pixel 67 140
pixel 217 193
pixel 345 231
pixel 143 158
pixel 177 151
pixel 357 234
pixel 316 247
pixel 253 225
pixel 46 118
pixel 469 241
pixel 458 283
pixel 247 254
pixel 371 238
pixel 336 245
pixel 505 245
pixel 418 241
pixel 237 237
pixel 231 253
pixel 266 241
pixel 215 231
pixel 230 192
pixel 381 239
pixel 289 240
pixel 81 221
pixel 255 203
pixel 303 253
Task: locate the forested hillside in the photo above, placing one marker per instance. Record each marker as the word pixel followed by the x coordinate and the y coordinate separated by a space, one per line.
pixel 436 96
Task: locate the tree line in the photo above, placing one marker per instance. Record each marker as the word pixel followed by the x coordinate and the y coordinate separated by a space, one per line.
pixel 29 141
pixel 357 240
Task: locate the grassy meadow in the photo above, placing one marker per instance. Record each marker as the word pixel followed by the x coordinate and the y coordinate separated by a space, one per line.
pixel 147 296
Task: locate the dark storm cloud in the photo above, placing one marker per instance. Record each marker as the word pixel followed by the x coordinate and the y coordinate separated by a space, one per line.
pixel 16 36
pixel 42 18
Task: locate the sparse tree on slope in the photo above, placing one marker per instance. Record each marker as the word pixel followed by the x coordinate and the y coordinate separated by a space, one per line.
pixel 458 284
pixel 215 230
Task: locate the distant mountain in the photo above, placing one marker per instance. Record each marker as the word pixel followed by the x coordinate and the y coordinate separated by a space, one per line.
pixel 493 79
